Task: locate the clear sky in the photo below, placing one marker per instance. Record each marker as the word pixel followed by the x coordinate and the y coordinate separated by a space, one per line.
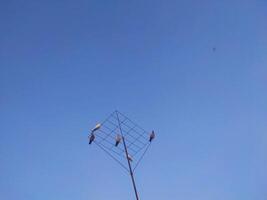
pixel 65 65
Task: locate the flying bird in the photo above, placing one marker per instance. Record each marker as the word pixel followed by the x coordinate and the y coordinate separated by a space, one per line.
pixel 152 136
pixel 96 128
pixel 118 140
pixel 91 138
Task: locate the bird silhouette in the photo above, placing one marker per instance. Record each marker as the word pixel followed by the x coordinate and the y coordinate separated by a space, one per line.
pixel 152 136
pixel 118 140
pixel 129 158
pixel 91 138
pixel 96 128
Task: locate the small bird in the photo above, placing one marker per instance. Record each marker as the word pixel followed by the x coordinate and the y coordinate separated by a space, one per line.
pixel 130 158
pixel 152 136
pixel 118 140
pixel 96 128
pixel 91 138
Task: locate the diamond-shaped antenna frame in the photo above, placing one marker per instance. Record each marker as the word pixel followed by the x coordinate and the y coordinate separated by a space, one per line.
pixel 123 140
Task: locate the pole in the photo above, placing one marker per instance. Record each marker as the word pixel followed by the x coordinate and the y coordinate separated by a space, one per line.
pixel 127 157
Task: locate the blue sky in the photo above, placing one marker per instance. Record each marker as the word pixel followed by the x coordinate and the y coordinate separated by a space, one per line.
pixel 66 65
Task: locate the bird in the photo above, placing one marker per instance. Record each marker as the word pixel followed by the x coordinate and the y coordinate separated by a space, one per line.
pixel 96 127
pixel 152 136
pixel 91 138
pixel 129 158
pixel 118 140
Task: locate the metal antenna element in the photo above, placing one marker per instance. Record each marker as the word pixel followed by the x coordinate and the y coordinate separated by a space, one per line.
pixel 123 140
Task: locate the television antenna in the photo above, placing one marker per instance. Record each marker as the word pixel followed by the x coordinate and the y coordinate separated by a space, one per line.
pixel 123 140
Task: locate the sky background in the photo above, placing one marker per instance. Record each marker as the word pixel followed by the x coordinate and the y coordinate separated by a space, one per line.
pixel 65 65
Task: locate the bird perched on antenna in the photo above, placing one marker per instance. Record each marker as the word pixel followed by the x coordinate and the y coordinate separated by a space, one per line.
pixel 129 158
pixel 118 140
pixel 91 138
pixel 96 128
pixel 152 136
